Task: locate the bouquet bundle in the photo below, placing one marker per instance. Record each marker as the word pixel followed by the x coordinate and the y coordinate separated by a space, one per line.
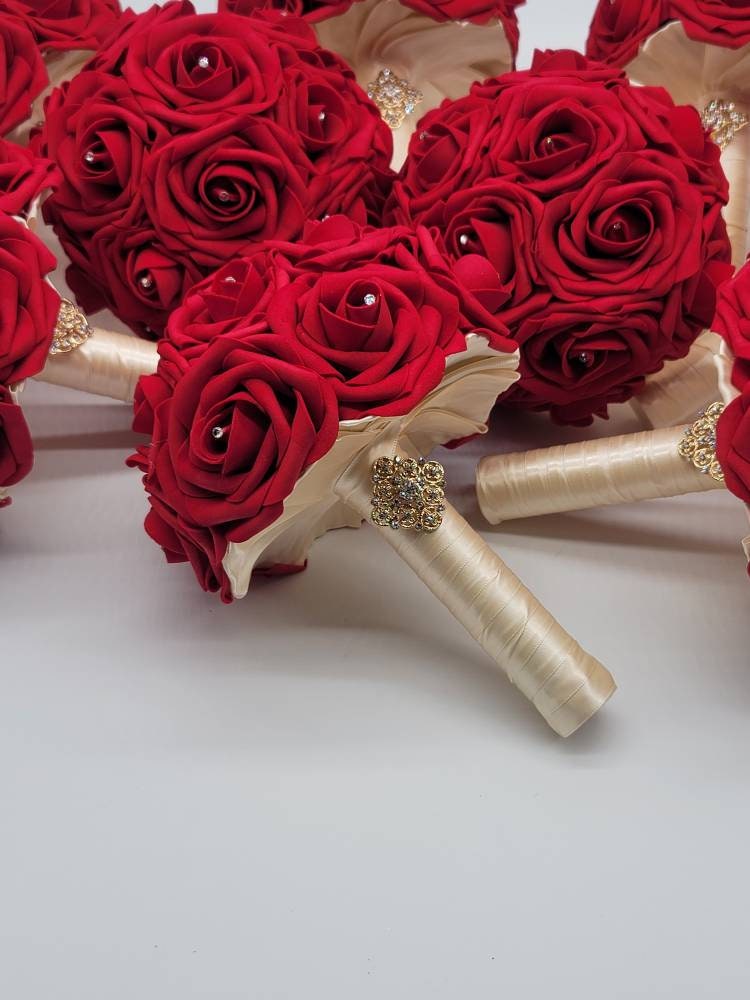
pixel 299 389
pixel 700 51
pixel 188 139
pixel 711 453
pixel 28 304
pixel 42 44
pixel 586 214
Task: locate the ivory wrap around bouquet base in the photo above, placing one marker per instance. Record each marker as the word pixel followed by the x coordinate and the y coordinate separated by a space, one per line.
pixel 565 684
pixel 648 466
pixel 437 58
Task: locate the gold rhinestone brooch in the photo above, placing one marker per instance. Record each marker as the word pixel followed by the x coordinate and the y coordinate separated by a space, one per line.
pixel 723 120
pixel 698 444
pixel 396 98
pixel 71 330
pixel 408 493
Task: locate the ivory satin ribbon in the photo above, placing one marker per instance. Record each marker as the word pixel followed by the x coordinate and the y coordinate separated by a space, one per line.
pixel 673 395
pixel 615 470
pixel 107 364
pixel 564 683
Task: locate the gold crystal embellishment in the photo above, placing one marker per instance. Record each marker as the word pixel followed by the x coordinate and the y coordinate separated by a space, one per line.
pixel 698 444
pixel 408 493
pixel 396 98
pixel 723 120
pixel 71 330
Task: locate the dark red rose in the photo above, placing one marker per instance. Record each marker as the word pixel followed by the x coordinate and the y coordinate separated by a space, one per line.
pixel 478 11
pixel 212 193
pixel 490 231
pixel 28 303
pixel 575 360
pixel 233 298
pixel 22 73
pixel 16 448
pixel 231 438
pixel 636 227
pixel 718 22
pixel 22 177
pixel 618 28
pixel 138 278
pixel 311 10
pixel 733 445
pixel 732 321
pixel 570 202
pixel 67 24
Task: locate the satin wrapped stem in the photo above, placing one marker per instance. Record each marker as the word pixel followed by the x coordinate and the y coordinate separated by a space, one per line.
pixel 673 395
pixel 564 683
pixel 625 469
pixel 107 364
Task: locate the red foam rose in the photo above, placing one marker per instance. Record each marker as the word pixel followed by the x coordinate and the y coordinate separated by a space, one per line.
pixel 733 445
pixel 23 176
pixel 22 72
pixel 617 29
pixel 28 304
pixel 67 24
pixel 16 448
pixel 732 321
pixel 582 212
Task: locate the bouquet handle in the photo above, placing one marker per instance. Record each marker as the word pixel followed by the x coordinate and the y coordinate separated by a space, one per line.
pixel 671 396
pixel 106 364
pixel 564 683
pixel 625 469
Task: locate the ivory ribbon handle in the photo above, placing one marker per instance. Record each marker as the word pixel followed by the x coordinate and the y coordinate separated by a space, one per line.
pixel 736 166
pixel 107 364
pixel 673 395
pixel 623 469
pixel 564 683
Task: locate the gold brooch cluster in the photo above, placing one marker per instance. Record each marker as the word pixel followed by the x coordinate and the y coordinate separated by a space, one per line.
pixel 408 493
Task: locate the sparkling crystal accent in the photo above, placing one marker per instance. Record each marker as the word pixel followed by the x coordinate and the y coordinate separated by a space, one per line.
pixel 396 98
pixel 723 120
pixel 217 433
pixel 223 195
pixel 204 62
pixel 370 299
pixel 146 282
pixel 89 157
pixel 71 330
pixel 463 239
pixel 322 116
pixel 698 444
pixel 408 494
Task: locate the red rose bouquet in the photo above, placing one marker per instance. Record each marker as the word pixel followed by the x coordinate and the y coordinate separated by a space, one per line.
pixel 42 44
pixel 191 138
pixel 297 388
pixel 583 212
pixel 409 54
pixel 711 453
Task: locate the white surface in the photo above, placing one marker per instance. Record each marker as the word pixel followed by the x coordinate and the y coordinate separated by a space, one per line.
pixel 324 793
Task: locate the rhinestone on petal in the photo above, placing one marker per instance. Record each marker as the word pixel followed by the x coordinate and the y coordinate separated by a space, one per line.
pixel 370 299
pixel 204 62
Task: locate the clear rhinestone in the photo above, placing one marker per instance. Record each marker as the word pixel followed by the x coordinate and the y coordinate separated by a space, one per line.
pixel 322 116
pixel 89 157
pixel 217 433
pixel 223 195
pixel 146 282
pixel 204 62
pixel 370 299
pixel 463 239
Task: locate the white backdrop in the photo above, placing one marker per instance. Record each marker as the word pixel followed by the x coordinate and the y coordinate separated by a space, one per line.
pixel 324 793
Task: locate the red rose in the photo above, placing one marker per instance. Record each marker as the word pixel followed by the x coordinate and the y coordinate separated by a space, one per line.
pixel 16 449
pixel 22 73
pixel 213 193
pixel 732 321
pixel 97 133
pixel 478 11
pixel 571 202
pixel 231 438
pixel 718 22
pixel 312 10
pixel 617 29
pixel 192 138
pixel 733 445
pixel 28 304
pixel 131 272
pixel 22 177
pixel 67 24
